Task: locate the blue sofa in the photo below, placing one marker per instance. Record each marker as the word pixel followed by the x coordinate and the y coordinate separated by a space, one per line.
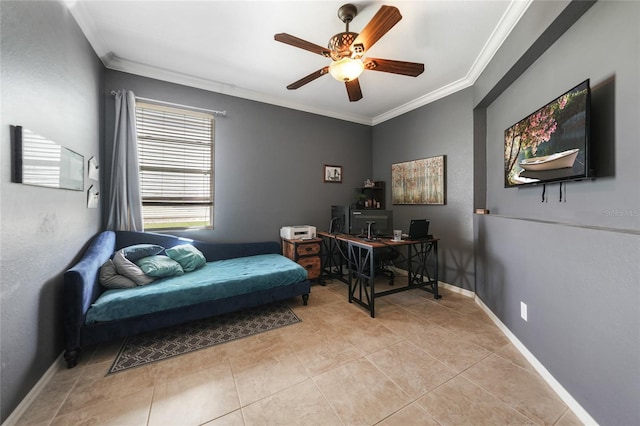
pixel 82 289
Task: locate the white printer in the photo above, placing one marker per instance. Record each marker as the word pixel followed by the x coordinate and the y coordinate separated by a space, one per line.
pixel 298 232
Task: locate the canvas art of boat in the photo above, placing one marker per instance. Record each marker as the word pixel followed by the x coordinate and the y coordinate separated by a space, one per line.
pixel 559 160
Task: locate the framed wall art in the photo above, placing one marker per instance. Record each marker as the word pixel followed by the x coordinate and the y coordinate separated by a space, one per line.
pixel 332 174
pixel 419 181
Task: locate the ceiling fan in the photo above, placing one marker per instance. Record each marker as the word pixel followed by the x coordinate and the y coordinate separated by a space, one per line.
pixel 347 51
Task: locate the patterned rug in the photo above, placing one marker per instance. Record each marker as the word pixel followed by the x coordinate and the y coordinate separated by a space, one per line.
pixel 184 338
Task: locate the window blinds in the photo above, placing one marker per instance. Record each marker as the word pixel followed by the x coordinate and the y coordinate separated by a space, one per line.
pixel 175 153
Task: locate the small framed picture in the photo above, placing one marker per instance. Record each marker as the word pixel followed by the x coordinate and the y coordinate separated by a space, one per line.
pixel 332 174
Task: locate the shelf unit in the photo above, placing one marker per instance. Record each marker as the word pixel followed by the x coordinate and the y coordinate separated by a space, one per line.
pixel 373 195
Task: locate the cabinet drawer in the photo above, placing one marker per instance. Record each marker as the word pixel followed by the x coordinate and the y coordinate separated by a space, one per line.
pixel 308 249
pixel 312 265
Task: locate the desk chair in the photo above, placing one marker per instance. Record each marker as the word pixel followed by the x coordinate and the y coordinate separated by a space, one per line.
pixel 383 258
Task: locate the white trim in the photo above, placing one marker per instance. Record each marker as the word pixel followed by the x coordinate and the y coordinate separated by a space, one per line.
pixel 26 402
pixel 573 405
pixel 440 93
pixel 118 64
pixel 87 26
pixel 456 289
pixel 508 21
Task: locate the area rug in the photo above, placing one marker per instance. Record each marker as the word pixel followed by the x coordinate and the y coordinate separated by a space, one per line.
pixel 169 342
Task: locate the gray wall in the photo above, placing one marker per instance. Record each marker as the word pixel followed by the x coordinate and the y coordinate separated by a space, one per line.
pixel 574 263
pixel 444 127
pixel 268 160
pixel 51 84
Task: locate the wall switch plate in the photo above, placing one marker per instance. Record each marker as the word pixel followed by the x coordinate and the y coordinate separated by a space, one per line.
pixel 523 310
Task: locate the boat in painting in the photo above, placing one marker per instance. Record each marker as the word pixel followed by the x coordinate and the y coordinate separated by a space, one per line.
pixel 558 160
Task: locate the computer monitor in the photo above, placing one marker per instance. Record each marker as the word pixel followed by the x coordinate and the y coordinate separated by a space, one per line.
pixel 382 226
pixel 339 220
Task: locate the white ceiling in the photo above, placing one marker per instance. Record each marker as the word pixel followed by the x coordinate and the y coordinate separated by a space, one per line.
pixel 228 47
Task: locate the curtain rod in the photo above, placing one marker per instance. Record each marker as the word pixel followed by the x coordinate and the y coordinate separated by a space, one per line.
pixel 156 101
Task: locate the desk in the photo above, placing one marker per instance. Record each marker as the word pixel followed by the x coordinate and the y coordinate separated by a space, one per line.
pixel 334 256
pixel 361 276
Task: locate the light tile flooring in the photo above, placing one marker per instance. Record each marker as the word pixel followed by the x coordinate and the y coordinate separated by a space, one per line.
pixel 419 362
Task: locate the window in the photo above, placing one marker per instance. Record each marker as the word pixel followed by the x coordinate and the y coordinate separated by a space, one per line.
pixel 175 152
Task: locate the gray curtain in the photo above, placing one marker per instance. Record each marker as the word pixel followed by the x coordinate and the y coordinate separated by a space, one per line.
pixel 125 205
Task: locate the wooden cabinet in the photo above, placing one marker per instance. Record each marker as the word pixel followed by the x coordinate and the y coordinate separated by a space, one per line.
pixel 306 253
pixel 372 197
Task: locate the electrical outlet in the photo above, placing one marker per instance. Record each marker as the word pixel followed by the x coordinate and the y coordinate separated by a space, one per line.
pixel 523 310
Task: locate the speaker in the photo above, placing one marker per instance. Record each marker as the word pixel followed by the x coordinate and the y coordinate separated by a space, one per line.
pixel 339 220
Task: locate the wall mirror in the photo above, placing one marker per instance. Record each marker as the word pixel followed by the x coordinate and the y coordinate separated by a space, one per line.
pixel 42 162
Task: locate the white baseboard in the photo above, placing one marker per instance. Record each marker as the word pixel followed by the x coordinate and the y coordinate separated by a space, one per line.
pixel 566 397
pixel 577 409
pixel 456 289
pixel 19 411
pixel 573 405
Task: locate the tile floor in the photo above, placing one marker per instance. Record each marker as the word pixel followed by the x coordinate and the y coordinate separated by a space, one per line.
pixel 419 362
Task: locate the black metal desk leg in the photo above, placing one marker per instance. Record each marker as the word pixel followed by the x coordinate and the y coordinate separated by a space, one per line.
pixel 361 266
pixel 436 295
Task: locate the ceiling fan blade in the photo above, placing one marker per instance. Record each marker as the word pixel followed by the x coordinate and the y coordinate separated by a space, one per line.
pixel 353 90
pixel 308 79
pixel 381 22
pixel 302 44
pixel 412 69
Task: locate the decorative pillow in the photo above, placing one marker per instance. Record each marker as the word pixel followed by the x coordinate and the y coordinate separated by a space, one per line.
pixel 109 278
pixel 139 251
pixel 188 256
pixel 159 266
pixel 130 270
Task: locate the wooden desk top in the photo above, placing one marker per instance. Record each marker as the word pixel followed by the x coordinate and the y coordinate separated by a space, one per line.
pixel 378 243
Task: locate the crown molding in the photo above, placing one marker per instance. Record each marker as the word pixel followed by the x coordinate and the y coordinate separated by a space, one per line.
pixel 87 26
pixel 118 64
pixel 508 21
pixel 440 93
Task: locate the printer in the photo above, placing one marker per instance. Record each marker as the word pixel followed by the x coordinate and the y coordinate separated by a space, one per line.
pixel 298 232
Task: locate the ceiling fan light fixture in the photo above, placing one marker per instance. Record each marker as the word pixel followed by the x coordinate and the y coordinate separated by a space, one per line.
pixel 346 69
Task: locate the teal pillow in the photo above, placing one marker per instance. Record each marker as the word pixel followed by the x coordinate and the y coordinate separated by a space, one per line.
pixel 159 266
pixel 139 251
pixel 188 256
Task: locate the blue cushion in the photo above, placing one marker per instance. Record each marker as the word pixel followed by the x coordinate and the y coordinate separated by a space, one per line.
pixel 139 251
pixel 159 266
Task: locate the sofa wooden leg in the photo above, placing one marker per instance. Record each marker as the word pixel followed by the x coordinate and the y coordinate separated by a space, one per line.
pixel 305 299
pixel 71 356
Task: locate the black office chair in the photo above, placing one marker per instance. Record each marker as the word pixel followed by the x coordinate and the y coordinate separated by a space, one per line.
pixel 384 258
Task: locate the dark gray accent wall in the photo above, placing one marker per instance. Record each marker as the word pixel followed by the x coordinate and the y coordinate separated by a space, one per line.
pixel 574 263
pixel 268 160
pixel 444 127
pixel 52 84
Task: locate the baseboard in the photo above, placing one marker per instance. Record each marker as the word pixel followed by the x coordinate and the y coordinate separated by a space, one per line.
pixel 573 405
pixel 450 287
pixel 577 409
pixel 455 289
pixel 26 402
pixel 566 397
